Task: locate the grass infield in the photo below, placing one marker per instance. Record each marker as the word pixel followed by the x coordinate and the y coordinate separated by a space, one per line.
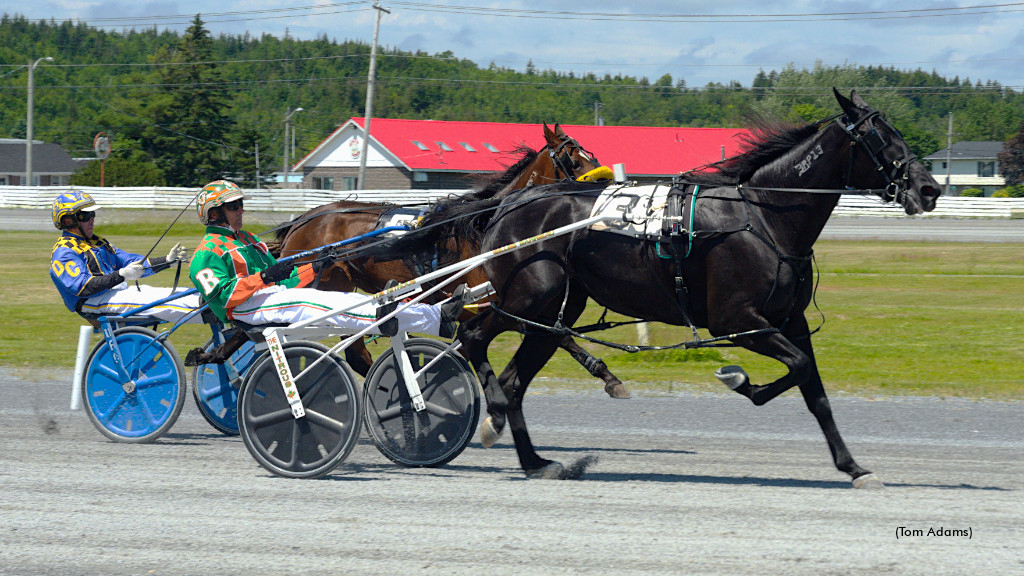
pixel 901 318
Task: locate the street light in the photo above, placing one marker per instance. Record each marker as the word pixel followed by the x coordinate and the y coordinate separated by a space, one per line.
pixel 28 121
pixel 287 155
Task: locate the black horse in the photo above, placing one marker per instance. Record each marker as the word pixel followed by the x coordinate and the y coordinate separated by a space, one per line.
pixel 747 275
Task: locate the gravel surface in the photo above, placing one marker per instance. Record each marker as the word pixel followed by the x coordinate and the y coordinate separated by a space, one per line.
pixel 684 484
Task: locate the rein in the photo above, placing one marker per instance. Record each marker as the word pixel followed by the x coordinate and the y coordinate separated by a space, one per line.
pixel 304 219
pixel 177 273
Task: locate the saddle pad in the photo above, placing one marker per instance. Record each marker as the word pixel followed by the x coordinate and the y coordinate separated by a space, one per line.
pixel 641 209
pixel 398 216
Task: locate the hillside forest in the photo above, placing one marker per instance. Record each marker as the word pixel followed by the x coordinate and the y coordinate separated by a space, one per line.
pixel 186 108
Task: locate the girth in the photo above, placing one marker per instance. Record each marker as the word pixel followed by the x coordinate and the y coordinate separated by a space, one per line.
pixel 676 241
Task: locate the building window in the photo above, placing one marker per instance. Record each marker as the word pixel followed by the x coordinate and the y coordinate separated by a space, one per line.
pixel 3 180
pixel 348 182
pixel 489 147
pixel 986 169
pixel 444 146
pixel 419 145
pixel 467 146
pixel 323 183
pixel 420 177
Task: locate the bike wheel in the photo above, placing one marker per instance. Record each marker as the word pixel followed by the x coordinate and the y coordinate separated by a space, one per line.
pixel 307 447
pixel 215 394
pixel 432 437
pixel 146 412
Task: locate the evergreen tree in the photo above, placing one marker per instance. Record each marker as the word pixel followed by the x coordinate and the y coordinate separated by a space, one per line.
pixel 1011 159
pixel 193 130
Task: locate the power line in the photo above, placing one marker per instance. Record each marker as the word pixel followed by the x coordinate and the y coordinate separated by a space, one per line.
pixel 333 8
pixel 718 18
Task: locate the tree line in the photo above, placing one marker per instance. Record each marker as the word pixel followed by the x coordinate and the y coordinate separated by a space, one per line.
pixel 186 108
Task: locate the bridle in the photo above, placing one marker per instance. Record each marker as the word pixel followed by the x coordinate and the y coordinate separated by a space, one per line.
pixel 563 161
pixel 895 172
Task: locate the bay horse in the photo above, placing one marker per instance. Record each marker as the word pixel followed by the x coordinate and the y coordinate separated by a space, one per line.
pixel 747 275
pixel 562 157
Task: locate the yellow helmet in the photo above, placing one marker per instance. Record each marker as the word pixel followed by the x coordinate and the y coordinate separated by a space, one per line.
pixel 216 193
pixel 69 204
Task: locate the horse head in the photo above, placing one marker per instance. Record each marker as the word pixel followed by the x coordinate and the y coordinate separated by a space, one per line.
pixel 904 179
pixel 566 158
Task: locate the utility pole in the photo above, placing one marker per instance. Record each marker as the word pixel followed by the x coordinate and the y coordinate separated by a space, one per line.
pixel 360 184
pixel 949 151
pixel 287 144
pixel 598 121
pixel 28 120
pixel 257 183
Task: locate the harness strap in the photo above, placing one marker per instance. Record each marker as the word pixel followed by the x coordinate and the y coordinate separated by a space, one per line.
pixel 713 342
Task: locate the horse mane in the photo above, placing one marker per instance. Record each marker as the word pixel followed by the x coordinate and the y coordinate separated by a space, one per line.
pixel 490 184
pixel 769 139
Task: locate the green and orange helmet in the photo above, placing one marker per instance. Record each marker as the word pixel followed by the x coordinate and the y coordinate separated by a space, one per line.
pixel 214 194
pixel 69 204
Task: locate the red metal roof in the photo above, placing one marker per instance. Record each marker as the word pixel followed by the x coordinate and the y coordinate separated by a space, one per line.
pixel 643 150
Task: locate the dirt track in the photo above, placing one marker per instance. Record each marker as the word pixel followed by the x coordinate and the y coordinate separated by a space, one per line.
pixel 684 484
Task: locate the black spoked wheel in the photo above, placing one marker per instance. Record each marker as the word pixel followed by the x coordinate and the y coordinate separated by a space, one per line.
pixel 307 447
pixel 431 437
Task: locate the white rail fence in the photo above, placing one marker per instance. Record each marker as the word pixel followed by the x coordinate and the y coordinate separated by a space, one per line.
pixel 300 200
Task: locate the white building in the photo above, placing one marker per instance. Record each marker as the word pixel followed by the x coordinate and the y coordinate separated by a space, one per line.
pixel 970 165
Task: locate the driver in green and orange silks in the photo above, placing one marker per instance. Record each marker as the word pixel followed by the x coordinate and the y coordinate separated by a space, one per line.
pixel 242 281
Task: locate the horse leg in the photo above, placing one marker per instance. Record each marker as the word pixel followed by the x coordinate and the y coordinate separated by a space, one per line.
pixel 476 335
pixel 817 402
pixel 798 356
pixel 597 368
pixel 531 356
pixel 777 346
pixel 359 358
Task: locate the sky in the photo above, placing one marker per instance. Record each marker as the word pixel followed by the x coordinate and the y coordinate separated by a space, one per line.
pixel 698 42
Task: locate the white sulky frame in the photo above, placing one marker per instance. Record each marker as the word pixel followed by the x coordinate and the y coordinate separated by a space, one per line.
pixel 308 329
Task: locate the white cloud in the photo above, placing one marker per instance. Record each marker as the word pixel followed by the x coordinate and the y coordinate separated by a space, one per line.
pixel 700 52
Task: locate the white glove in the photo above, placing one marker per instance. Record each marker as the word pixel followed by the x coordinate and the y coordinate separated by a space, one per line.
pixel 177 253
pixel 132 271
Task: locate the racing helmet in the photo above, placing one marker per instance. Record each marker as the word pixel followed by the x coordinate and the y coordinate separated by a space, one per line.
pixel 69 204
pixel 216 193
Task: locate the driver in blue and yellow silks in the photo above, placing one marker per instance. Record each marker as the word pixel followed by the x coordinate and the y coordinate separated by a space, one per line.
pixel 91 274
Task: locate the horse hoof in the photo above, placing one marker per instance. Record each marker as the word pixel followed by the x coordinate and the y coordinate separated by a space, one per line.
pixel 732 376
pixel 617 390
pixel 488 433
pixel 552 471
pixel 868 482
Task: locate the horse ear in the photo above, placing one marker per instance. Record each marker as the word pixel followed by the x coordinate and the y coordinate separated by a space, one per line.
pixel 846 104
pixel 547 131
pixel 558 130
pixel 856 99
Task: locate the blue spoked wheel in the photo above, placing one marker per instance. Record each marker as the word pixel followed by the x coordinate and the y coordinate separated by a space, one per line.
pixel 144 407
pixel 310 446
pixel 215 393
pixel 434 436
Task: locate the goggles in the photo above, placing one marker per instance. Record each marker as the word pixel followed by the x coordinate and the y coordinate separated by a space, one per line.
pixel 85 216
pixel 233 206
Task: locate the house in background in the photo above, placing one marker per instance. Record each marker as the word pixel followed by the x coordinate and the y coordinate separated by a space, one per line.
pixel 433 154
pixel 51 164
pixel 970 165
